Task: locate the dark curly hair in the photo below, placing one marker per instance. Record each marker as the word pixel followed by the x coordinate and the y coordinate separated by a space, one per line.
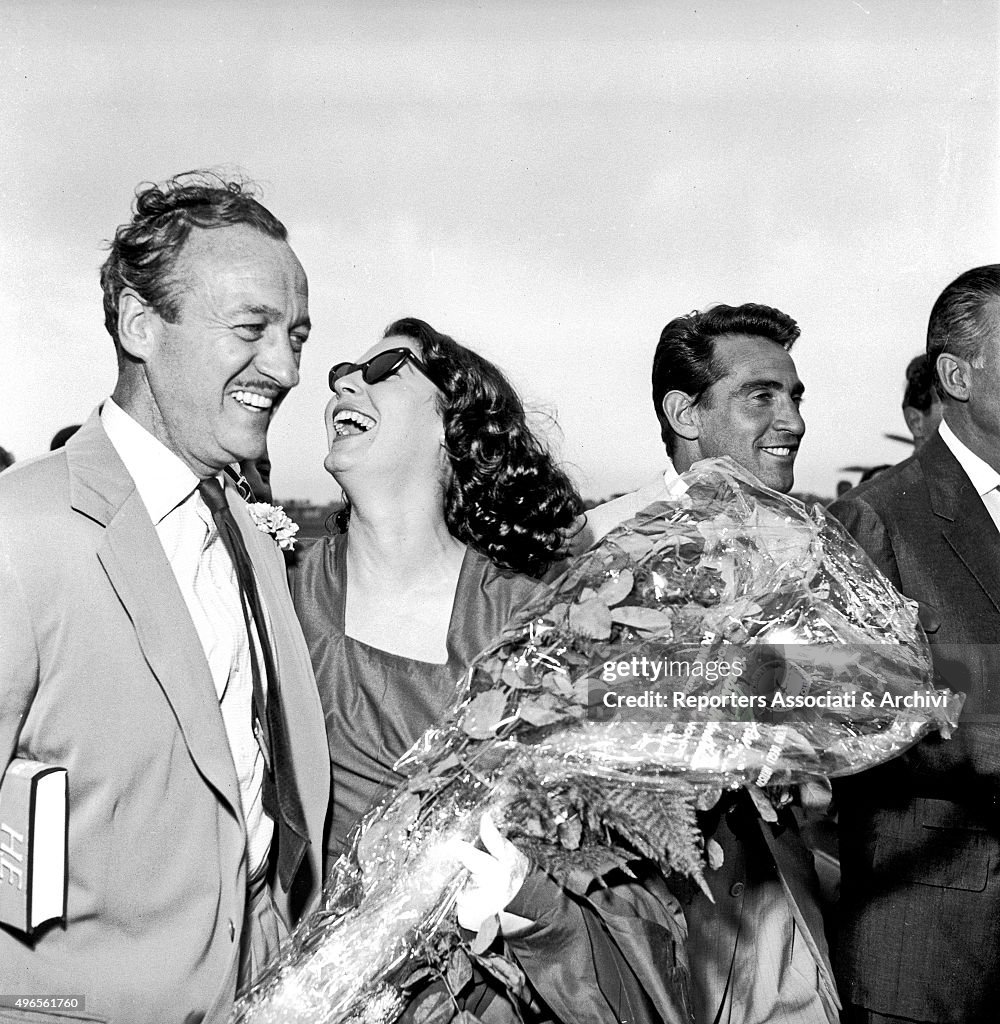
pixel 685 355
pixel 144 253
pixel 505 497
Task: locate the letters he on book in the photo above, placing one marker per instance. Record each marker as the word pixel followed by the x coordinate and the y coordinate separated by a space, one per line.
pixel 33 844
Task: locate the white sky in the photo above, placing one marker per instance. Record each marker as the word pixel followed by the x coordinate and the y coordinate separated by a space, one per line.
pixel 548 181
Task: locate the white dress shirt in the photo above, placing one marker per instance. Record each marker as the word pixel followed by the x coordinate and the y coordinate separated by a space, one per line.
pixel 207 581
pixel 601 520
pixel 984 477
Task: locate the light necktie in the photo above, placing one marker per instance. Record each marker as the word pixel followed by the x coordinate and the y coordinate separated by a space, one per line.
pixel 280 794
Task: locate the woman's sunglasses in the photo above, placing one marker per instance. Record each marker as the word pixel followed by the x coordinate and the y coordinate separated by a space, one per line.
pixel 378 367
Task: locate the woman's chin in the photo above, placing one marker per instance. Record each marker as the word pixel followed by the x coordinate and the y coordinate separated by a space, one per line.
pixel 335 463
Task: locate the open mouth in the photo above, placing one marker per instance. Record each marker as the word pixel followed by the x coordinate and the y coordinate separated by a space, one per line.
pixel 350 422
pixel 779 451
pixel 254 400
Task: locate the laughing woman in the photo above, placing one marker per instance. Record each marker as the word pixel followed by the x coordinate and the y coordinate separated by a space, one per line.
pixel 454 509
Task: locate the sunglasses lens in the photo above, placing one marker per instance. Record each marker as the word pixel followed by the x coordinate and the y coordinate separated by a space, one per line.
pixel 383 364
pixel 340 370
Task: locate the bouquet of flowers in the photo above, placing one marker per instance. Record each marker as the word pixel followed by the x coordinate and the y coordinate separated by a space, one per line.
pixel 730 636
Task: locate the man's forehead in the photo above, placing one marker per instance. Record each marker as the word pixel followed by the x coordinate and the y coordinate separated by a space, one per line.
pixel 746 357
pixel 241 261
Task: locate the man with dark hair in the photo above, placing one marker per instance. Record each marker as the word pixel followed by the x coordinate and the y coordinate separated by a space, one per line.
pixel 919 935
pixel 147 639
pixel 724 384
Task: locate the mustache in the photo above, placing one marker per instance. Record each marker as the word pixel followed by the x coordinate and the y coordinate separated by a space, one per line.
pixel 265 387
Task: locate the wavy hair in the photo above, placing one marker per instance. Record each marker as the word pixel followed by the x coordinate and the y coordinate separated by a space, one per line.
pixel 505 495
pixel 144 252
pixel 685 354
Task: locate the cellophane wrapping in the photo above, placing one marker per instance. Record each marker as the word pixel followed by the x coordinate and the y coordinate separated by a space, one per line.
pixel 834 678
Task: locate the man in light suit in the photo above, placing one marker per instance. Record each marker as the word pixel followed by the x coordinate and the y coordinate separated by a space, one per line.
pixel 127 654
pixel 919 936
pixel 724 384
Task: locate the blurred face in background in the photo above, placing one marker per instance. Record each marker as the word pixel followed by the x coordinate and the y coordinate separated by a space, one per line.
pixel 923 424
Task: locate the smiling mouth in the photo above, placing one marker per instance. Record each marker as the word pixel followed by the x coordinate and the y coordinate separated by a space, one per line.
pixel 780 451
pixel 350 423
pixel 254 401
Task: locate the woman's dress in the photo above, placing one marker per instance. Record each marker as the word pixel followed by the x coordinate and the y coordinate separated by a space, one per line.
pixel 378 704
pixel 598 958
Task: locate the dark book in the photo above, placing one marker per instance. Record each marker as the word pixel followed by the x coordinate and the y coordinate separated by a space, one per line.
pixel 33 844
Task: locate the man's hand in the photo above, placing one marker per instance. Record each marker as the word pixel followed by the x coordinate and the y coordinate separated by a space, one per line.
pixel 495 877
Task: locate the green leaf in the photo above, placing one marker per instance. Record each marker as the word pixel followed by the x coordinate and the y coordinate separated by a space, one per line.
pixel 488 931
pixel 614 591
pixel 539 712
pixel 557 612
pixel 420 782
pixel 419 975
pixel 459 973
pixel 647 619
pixel 570 833
pixel 435 1008
pixel 518 675
pixel 762 802
pixel 446 764
pixel 508 974
pixel 635 545
pixel 591 618
pixel 484 714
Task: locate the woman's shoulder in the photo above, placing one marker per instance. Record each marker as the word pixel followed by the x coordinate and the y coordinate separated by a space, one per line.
pixel 314 564
pixel 504 590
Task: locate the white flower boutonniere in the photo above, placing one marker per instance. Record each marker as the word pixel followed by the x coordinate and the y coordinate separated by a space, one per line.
pixel 273 520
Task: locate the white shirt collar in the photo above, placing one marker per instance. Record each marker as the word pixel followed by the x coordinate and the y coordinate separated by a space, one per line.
pixel 667 484
pixel 983 476
pixel 161 478
pixel 672 480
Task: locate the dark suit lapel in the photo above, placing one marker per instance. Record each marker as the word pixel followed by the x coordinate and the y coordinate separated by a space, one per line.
pixel 965 522
pixel 137 568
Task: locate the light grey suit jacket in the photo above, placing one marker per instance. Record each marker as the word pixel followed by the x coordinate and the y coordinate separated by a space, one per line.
pixel 102 671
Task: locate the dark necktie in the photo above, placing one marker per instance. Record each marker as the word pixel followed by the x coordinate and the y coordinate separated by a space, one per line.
pixel 280 795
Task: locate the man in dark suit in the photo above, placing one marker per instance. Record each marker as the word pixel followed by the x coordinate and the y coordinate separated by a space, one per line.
pixel 147 639
pixel 919 936
pixel 724 384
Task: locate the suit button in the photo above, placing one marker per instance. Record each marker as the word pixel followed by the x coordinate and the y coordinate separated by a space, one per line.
pixel 736 889
pixel 232 931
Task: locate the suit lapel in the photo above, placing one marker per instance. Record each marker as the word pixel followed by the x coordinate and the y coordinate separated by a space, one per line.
pixel 137 568
pixel 966 525
pixel 271 581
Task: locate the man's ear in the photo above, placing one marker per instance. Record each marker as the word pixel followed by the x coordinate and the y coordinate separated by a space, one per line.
pixel 682 414
pixel 953 372
pixel 136 327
